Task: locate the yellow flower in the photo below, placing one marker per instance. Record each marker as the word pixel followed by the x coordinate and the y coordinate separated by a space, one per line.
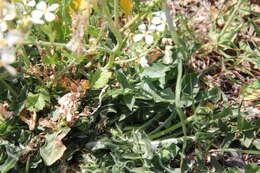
pixel 126 6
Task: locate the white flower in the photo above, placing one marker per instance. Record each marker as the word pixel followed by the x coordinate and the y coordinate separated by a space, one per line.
pixel 159 21
pixel 7 56
pixel 9 11
pixel 7 49
pixel 146 33
pixel 8 14
pixel 13 37
pixel 42 9
pixel 3 25
pixel 31 3
pixel 143 62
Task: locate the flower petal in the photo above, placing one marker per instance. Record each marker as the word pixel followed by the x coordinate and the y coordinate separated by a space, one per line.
pixel 142 27
pixel 13 37
pixel 3 26
pixel 53 7
pixel 163 16
pixel 138 37
pixel 151 29
pixel 10 16
pixel 156 20
pixel 157 13
pixel 149 39
pixel 160 27
pixel 143 62
pixel 8 12
pixel 7 56
pixel 49 17
pixel 41 6
pixel 36 17
pixel 37 14
pixel 37 21
pixel 11 70
pixel 31 3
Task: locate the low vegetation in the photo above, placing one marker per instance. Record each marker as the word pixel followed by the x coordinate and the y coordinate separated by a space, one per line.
pixel 149 86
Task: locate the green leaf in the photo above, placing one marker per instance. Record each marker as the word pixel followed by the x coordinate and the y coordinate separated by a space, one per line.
pixel 36 102
pixel 142 170
pixel 122 79
pixel 155 71
pixel 252 168
pixel 53 148
pixel 49 60
pixel 9 163
pixel 254 86
pixel 256 143
pixel 13 152
pixel 129 101
pixel 149 90
pixel 93 31
pixel 100 78
pixel 190 89
pixel 216 164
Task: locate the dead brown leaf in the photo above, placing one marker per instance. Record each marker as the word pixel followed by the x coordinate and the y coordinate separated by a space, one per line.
pixel 4 113
pixel 29 118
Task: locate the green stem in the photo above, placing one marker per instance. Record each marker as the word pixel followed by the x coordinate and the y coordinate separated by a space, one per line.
pixel 45 43
pixel 116 33
pixel 172 128
pixel 163 124
pixel 231 18
pixel 172 140
pixel 181 47
pixel 149 122
pixel 111 24
pixel 116 12
pixel 237 150
pixel 4 75
pixel 135 20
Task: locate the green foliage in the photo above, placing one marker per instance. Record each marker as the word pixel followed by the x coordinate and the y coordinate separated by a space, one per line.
pixel 93 93
pixel 100 78
pixel 36 102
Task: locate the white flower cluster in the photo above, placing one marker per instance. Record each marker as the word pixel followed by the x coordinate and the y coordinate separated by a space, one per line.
pixel 8 37
pixel 7 48
pixel 43 10
pixel 40 12
pixel 158 24
pixel 20 13
pixel 8 13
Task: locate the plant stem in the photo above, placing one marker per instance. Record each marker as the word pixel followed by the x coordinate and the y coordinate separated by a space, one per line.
pixel 110 22
pixel 163 124
pixel 172 128
pixel 45 43
pixel 178 86
pixel 116 12
pixel 4 75
pixel 231 18
pixel 155 118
